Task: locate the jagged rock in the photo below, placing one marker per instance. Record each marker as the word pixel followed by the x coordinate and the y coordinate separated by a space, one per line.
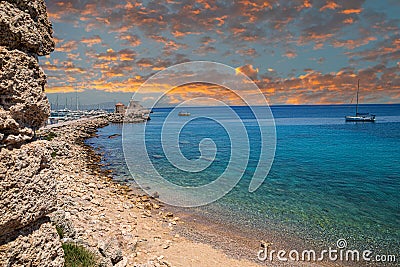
pixel 35 245
pixel 22 95
pixel 24 25
pixel 27 185
pixel 111 249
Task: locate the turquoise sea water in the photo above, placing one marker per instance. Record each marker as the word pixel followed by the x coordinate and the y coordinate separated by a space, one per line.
pixel 329 179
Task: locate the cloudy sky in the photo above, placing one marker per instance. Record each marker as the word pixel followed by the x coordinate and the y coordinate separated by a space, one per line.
pixel 297 52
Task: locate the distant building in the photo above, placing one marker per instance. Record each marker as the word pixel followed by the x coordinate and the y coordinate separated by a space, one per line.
pixel 132 113
pixel 120 108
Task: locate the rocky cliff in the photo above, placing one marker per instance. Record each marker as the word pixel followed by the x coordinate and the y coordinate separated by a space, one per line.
pixel 27 178
pixel 25 34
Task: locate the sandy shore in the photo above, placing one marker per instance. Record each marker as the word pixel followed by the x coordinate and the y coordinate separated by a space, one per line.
pixel 102 211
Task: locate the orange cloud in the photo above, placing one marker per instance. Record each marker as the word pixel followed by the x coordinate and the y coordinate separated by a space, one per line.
pixel 248 70
pixel 132 40
pixel 178 34
pixel 201 90
pixel 351 11
pixel 348 21
pixel 351 44
pixel 337 88
pixel 251 52
pixel 291 54
pixel 221 20
pixel 127 55
pixel 67 47
pixel 329 5
pixel 110 55
pixel 63 89
pixel 90 41
pixel 307 4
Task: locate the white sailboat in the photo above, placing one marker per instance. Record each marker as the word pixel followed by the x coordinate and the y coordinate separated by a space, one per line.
pixel 361 117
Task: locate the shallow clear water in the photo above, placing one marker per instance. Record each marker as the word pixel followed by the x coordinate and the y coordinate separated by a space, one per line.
pixel 329 179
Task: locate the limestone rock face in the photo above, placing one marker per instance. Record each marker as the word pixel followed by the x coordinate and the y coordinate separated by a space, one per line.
pixel 35 245
pixel 11 132
pixel 25 33
pixel 27 179
pixel 22 96
pixel 27 185
pixel 24 25
pixel 22 84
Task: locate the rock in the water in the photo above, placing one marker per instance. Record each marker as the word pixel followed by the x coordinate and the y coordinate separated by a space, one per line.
pixel 27 185
pixel 24 25
pixel 35 245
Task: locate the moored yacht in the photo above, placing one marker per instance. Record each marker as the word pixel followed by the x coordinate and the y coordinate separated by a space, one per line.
pixel 361 117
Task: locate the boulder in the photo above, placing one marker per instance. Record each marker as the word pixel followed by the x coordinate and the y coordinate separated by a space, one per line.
pixel 111 249
pixel 24 25
pixel 34 245
pixel 27 185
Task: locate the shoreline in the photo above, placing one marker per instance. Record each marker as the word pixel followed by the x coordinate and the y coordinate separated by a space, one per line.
pixel 230 240
pixel 102 211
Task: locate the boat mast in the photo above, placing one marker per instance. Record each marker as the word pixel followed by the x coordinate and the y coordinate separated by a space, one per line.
pixel 76 98
pixel 57 106
pixel 358 89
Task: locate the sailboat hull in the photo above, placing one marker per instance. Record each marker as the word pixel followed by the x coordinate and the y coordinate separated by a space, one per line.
pixel 360 118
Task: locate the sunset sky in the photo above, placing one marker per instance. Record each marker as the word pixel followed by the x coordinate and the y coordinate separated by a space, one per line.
pixel 297 52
